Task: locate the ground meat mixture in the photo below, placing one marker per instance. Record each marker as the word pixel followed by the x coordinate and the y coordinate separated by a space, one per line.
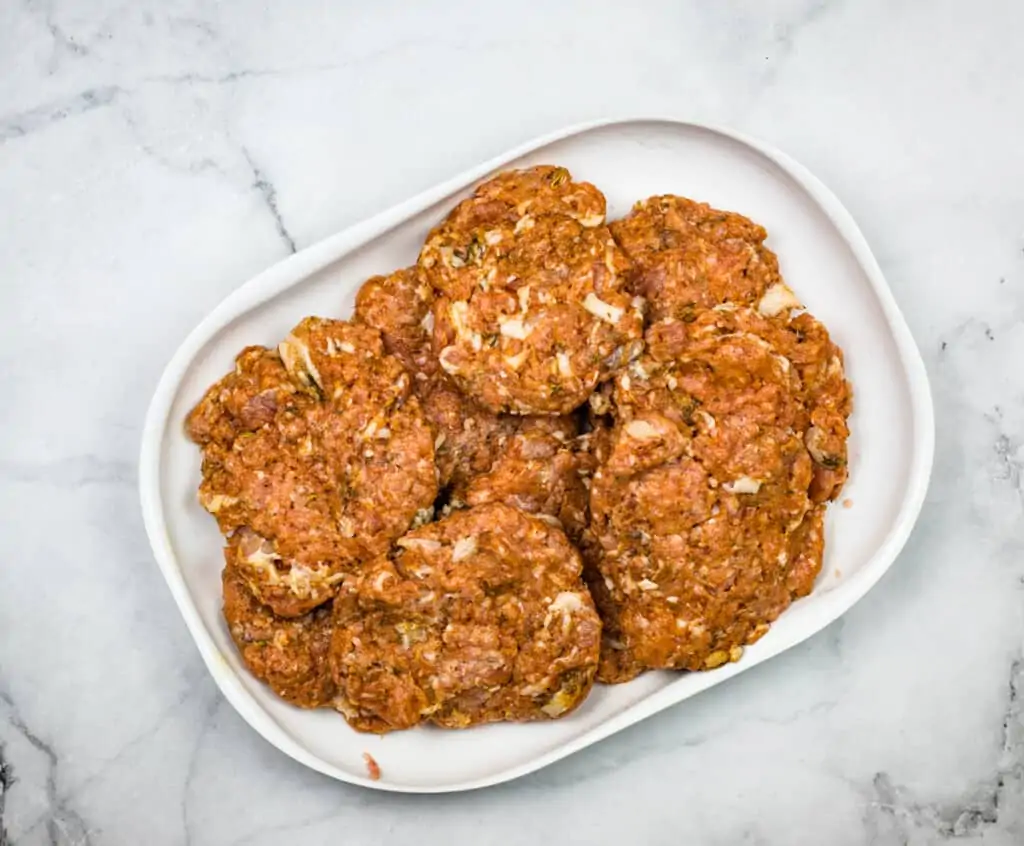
pixel 532 311
pixel 828 398
pixel 479 617
pixel 806 548
pixel 372 767
pixel 801 344
pixel 292 656
pixel 536 191
pixel 279 510
pixel 704 523
pixel 342 363
pixel 466 436
pixel 400 307
pixel 336 469
pixel 688 256
pixel 530 462
pixel 549 452
pixel 481 456
pixel 512 199
pixel 541 470
pixel 247 399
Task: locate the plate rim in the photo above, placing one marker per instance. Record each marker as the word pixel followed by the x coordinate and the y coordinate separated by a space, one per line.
pixel 298 266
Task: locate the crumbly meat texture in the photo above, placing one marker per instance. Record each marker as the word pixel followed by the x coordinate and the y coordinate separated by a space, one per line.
pixel 548 320
pixel 291 655
pixel 540 190
pixel 802 345
pixel 339 470
pixel 532 309
pixel 541 470
pixel 344 364
pixel 688 256
pixel 828 398
pixel 530 462
pixel 479 617
pixel 706 512
pixel 279 509
pixel 400 306
pixel 481 456
pixel 467 436
pixel 246 400
pixel 512 199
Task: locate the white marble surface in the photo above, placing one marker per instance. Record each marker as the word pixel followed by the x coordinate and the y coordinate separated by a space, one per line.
pixel 155 155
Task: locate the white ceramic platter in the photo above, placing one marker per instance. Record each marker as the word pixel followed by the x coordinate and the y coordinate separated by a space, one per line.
pixel 823 257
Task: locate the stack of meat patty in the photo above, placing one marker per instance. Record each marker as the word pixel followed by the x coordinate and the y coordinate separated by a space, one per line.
pixel 552 451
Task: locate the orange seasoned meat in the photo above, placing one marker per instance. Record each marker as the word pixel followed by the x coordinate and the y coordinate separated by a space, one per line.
pixel 479 617
pixel 688 256
pixel 338 463
pixel 532 310
pixel 706 515
pixel 291 655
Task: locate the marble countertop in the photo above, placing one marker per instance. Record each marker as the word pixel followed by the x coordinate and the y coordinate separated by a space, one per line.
pixel 154 155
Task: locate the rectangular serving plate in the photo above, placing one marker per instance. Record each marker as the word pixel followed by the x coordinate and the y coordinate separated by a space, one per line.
pixel 823 257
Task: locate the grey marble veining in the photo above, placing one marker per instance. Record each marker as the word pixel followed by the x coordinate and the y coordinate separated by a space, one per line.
pixel 154 155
